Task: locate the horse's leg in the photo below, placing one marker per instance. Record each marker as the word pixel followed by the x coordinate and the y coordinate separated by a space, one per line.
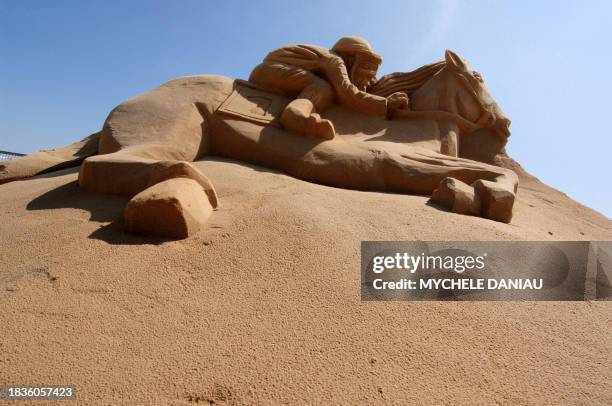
pixel 490 195
pixel 171 198
pixel 177 208
pixel 373 165
pixel 449 139
pixel 406 169
pixel 130 171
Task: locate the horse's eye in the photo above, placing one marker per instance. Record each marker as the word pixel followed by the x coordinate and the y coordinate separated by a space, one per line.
pixel 477 76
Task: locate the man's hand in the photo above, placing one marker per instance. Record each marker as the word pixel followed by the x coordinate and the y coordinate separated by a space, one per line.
pixel 398 100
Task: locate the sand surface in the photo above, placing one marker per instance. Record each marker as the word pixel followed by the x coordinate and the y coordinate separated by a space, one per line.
pixel 263 307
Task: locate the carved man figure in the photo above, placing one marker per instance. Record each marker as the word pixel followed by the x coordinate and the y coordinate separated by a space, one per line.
pixel 317 76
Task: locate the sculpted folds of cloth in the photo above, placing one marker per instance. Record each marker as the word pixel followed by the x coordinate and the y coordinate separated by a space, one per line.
pixel 315 113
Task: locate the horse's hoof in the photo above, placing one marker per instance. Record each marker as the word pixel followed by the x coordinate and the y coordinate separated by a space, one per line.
pixel 174 208
pixel 496 201
pixel 457 196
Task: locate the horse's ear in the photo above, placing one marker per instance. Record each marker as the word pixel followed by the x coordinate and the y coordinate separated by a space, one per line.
pixel 454 61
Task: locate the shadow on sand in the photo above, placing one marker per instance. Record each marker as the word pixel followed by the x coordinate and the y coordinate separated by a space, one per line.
pixel 102 208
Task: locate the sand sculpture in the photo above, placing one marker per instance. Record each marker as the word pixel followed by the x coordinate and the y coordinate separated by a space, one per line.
pixel 313 113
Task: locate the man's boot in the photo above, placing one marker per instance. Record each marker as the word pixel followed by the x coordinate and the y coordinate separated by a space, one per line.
pixel 298 117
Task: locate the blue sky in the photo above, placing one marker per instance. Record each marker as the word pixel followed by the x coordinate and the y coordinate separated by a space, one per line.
pixel 65 64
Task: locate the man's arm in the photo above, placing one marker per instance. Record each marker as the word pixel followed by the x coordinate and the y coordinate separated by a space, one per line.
pixel 348 94
pixel 316 58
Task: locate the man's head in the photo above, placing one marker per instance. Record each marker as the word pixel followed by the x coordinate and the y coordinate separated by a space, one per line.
pixel 361 62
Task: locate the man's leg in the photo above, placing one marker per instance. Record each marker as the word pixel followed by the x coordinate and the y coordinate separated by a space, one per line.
pixel 303 112
pixel 299 117
pixel 313 94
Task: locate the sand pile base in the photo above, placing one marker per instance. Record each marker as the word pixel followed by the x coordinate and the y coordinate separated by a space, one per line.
pixel 263 306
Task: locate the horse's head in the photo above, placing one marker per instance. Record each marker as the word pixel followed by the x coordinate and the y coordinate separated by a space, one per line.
pixel 457 89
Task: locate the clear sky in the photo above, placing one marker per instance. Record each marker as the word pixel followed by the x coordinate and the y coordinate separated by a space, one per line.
pixel 65 64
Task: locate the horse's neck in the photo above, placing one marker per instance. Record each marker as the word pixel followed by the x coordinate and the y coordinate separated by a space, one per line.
pixel 438 93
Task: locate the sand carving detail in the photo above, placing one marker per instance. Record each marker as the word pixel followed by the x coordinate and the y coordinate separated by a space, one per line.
pixel 317 114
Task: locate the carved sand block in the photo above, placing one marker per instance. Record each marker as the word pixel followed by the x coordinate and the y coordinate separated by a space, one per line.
pixel 378 142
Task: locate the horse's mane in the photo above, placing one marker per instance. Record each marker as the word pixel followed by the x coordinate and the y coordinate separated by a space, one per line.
pixel 405 81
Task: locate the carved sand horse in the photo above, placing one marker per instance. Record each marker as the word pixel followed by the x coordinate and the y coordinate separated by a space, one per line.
pixel 147 143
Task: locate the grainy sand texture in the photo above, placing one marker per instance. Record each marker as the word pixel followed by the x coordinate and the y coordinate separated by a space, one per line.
pixel 264 307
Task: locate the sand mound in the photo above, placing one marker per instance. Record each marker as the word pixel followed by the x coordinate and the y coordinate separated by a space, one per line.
pixel 263 306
